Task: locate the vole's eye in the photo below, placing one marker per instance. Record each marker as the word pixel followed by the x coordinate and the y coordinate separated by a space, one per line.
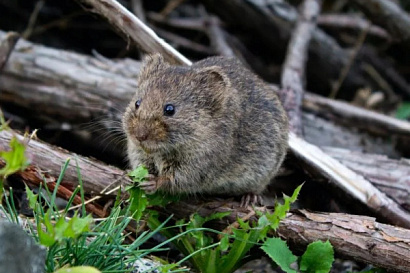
pixel 169 110
pixel 137 104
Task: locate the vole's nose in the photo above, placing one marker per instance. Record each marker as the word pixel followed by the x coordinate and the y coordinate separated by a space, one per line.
pixel 141 134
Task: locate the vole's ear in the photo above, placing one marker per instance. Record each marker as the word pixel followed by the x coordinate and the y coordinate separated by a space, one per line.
pixel 213 80
pixel 151 64
pixel 213 77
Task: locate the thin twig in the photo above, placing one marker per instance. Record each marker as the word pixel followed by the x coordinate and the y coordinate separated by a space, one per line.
pixel 173 4
pixel 346 68
pixel 33 19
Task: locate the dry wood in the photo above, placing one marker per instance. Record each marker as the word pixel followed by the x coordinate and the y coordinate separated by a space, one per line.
pixel 271 22
pixel 217 37
pixel 96 176
pixel 355 237
pixel 47 82
pixel 319 163
pixel 133 28
pixel 352 236
pixel 343 112
pixel 293 73
pixel 6 47
pixel 389 15
pixel 323 132
pixel 344 21
pixel 106 85
pixel 389 175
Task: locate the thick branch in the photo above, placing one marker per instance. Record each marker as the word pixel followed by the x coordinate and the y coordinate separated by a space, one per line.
pixel 293 74
pixel 346 113
pixel 389 15
pixel 95 175
pixel 319 163
pixel 389 175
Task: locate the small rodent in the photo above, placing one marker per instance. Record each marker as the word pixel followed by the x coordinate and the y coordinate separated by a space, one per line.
pixel 211 128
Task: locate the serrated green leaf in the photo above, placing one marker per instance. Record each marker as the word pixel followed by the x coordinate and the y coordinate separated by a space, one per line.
pixel 279 252
pixel 15 158
pixel 139 174
pixel 78 269
pixel 403 111
pixel 243 225
pixel 282 209
pixel 45 238
pixel 32 198
pixel 318 257
pixel 80 225
pixel 295 194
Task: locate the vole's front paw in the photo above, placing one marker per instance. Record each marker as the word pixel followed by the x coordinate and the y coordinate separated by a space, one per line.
pixel 152 183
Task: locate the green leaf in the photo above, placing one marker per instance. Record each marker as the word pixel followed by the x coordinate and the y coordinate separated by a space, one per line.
pixel 318 257
pixel 295 194
pixel 46 239
pixel 78 269
pixel 80 225
pixel 15 158
pixel 138 202
pixel 281 209
pixel 32 198
pixel 279 252
pixel 403 111
pixel 139 174
pixel 224 243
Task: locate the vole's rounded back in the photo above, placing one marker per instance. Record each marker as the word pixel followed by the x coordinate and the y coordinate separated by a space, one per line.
pixel 213 127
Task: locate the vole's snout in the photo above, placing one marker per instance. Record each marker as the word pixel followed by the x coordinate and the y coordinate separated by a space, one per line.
pixel 141 133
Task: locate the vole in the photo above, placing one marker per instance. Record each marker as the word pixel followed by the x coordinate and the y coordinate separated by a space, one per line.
pixel 211 128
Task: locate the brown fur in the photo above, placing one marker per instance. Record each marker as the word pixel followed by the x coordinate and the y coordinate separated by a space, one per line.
pixel 228 134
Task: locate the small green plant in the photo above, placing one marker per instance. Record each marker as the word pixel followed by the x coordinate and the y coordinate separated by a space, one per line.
pixel 80 240
pixel 15 159
pixel 211 255
pixel 318 256
pixel 81 244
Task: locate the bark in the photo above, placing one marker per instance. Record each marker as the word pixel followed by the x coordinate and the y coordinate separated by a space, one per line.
pixel 389 175
pixel 345 113
pixel 355 237
pixel 343 21
pixel 352 236
pixel 272 23
pixel 389 15
pixel 96 176
pixel 293 74
pixel 133 28
pixel 318 163
pixel 6 47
